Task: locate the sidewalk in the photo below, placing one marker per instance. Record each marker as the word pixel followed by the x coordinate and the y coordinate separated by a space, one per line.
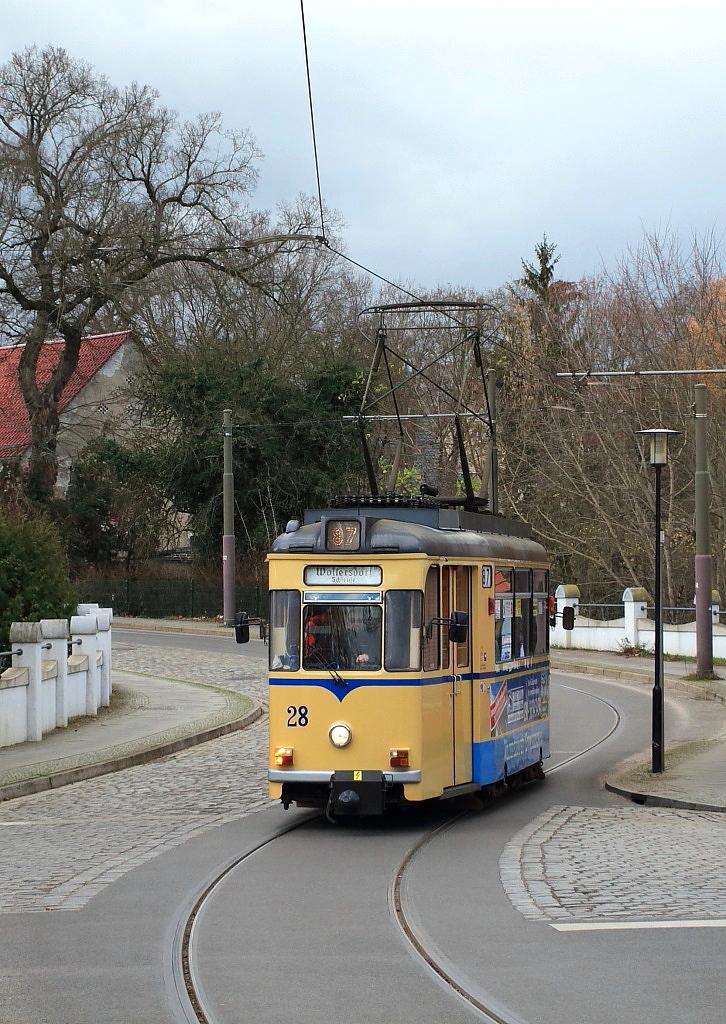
pixel 151 717
pixel 695 763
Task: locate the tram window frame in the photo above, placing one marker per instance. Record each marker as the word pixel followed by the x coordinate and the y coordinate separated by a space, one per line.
pixel 540 601
pixel 462 589
pixel 402 620
pixel 284 631
pixel 523 645
pixel 431 654
pixel 446 610
pixel 503 613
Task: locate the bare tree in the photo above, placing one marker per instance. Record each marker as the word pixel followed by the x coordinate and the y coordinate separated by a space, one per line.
pixel 571 460
pixel 100 188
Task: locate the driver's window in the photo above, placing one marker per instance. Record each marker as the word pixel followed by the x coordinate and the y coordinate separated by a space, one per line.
pixel 342 637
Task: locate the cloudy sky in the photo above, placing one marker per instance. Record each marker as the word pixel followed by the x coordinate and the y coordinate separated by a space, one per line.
pixel 452 133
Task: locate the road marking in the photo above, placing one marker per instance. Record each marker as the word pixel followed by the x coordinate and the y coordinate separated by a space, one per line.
pixel 607 926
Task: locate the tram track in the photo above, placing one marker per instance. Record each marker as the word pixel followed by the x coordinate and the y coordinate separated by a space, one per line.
pixel 190 1003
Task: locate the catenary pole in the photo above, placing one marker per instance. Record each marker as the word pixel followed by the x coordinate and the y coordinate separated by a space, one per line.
pixel 704 622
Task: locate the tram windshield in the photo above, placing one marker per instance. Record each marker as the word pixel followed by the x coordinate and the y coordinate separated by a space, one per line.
pixel 342 637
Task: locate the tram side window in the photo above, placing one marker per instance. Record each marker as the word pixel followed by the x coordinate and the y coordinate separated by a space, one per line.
pixel 285 630
pixel 503 613
pixel 446 609
pixel 403 630
pixel 541 611
pixel 431 612
pixel 523 645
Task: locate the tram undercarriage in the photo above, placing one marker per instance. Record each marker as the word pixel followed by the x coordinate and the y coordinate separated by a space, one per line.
pixel 370 794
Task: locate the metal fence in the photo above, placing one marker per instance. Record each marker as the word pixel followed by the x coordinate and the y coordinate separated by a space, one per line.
pixel 171 598
pixel 611 612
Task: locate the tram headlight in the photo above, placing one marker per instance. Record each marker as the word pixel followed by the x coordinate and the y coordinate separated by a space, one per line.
pixel 340 735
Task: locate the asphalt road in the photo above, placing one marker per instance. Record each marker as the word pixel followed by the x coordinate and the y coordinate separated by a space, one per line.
pixel 189 641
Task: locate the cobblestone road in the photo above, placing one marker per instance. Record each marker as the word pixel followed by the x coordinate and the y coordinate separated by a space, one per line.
pixel 58 849
pixel 617 863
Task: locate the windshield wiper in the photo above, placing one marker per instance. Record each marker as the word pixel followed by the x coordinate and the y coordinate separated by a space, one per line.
pixel 337 678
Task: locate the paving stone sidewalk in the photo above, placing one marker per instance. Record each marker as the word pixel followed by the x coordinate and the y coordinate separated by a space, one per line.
pixel 695 766
pixel 153 713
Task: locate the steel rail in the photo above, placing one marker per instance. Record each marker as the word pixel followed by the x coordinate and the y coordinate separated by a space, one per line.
pixel 190 1005
pixel 490 1010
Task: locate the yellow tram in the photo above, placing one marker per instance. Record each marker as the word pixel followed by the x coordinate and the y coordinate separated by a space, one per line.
pixel 408 647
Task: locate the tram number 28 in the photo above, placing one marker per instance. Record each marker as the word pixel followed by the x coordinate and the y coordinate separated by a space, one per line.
pixel 297 716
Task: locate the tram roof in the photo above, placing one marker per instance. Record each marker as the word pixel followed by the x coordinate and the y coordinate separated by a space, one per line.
pixel 431 531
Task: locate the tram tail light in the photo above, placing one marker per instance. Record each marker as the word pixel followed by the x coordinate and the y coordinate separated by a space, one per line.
pixel 551 603
pixel 491 605
pixel 282 756
pixel 399 758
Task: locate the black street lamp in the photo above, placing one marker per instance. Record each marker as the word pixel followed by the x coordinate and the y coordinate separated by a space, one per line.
pixel 658 459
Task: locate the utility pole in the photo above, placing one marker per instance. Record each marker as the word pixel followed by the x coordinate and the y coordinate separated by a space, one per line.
pixel 704 623
pixel 493 495
pixel 228 547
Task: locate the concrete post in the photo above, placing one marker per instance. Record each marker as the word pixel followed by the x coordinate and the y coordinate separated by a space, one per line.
pixel 55 637
pixel 105 643
pixel 103 639
pixel 567 595
pixel 28 639
pixel 635 606
pixel 83 637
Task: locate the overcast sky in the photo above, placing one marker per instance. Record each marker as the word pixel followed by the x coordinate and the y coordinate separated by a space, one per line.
pixel 451 133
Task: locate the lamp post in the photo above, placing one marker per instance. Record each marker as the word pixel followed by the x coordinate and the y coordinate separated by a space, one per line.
pixel 658 459
pixel 228 545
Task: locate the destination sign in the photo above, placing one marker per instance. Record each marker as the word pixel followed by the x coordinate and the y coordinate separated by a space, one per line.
pixel 343 575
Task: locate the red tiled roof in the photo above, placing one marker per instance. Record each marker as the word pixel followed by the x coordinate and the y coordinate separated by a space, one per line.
pixel 95 351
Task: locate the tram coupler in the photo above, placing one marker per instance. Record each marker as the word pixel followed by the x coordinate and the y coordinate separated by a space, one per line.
pixel 357 793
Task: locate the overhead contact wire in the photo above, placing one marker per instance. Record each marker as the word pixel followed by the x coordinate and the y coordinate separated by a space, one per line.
pixel 367 270
pixel 312 118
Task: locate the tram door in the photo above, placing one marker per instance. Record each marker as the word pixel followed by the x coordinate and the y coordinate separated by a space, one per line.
pixel 456 596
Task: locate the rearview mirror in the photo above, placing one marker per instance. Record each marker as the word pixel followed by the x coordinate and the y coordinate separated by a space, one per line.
pixel 568 617
pixel 242 628
pixel 458 626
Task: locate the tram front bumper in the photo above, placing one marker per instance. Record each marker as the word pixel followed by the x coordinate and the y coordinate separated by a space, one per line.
pixel 361 792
